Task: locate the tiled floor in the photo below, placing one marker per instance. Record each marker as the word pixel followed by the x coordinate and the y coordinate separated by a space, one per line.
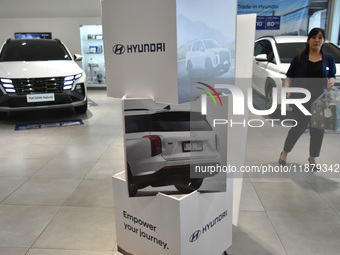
pixel 56 192
pixel 293 214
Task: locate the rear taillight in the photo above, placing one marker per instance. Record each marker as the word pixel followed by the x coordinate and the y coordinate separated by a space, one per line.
pixel 156 144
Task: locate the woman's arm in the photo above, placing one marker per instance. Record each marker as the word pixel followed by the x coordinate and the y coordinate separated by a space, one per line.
pixel 331 73
pixel 330 83
pixel 288 82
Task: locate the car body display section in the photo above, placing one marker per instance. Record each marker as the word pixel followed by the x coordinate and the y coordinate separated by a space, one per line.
pixel 163 145
pixel 40 73
pixel 206 55
pixel 272 58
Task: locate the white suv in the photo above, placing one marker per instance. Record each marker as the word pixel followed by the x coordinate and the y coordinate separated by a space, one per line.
pixel 163 145
pixel 208 56
pixel 38 74
pixel 272 58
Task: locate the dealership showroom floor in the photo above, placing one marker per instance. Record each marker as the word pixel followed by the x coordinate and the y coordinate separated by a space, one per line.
pixel 56 188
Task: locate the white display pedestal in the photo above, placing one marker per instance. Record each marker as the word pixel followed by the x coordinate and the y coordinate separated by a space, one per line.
pixel 196 223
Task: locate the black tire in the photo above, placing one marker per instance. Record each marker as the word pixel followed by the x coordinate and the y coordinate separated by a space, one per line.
pixel 269 97
pixel 269 102
pixel 208 67
pixel 81 109
pixel 226 68
pixel 189 69
pixel 188 185
pixel 133 188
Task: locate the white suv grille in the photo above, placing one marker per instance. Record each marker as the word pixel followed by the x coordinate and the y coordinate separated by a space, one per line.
pixel 38 85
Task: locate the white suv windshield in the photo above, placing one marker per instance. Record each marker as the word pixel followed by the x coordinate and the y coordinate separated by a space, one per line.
pixel 333 50
pixel 34 50
pixel 287 51
pixel 166 122
pixel 210 44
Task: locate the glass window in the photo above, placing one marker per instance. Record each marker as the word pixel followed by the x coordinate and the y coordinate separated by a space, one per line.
pixel 257 48
pixel 195 47
pixel 180 121
pixel 167 122
pixel 287 51
pixel 333 50
pixel 210 44
pixel 201 46
pixel 265 47
pixel 34 50
pixel 136 123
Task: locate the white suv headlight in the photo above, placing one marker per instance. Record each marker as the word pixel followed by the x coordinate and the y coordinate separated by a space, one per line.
pixel 7 85
pixel 69 80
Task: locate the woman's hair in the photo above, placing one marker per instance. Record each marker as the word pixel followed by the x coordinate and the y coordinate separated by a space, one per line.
pixel 312 33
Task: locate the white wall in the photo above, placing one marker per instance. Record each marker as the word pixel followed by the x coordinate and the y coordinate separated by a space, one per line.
pixel 66 29
pixel 335 21
pixel 49 8
pixel 61 17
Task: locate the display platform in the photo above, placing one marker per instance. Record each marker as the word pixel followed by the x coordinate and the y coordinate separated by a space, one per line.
pixel 155 59
pixel 172 224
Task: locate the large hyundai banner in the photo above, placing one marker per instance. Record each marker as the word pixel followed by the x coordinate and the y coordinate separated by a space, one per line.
pixel 277 17
pixel 206 45
pixel 140 49
pixel 161 49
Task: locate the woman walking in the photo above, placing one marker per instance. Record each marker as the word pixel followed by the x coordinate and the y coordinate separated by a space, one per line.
pixel 315 71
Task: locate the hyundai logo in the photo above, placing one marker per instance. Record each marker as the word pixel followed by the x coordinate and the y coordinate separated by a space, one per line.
pixel 193 134
pixel 195 236
pixel 118 49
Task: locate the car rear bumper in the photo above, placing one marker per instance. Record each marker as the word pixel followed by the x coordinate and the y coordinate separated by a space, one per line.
pixel 169 175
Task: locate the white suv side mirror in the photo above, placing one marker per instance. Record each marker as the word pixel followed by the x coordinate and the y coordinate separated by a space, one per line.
pixel 77 57
pixel 261 57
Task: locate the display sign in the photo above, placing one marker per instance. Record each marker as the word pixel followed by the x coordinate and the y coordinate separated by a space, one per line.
pixel 33 98
pixel 140 49
pixel 165 141
pixel 276 17
pixel 174 45
pixel 268 22
pixel 205 45
pixel 33 35
pixel 174 149
pixel 199 223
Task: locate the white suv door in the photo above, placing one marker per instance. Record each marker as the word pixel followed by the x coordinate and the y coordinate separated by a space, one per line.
pixel 262 68
pixel 198 57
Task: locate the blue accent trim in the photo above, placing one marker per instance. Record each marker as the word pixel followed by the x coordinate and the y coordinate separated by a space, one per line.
pixel 49 124
pixel 91 102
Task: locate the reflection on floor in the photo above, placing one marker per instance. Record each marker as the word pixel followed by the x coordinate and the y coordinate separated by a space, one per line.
pixel 56 192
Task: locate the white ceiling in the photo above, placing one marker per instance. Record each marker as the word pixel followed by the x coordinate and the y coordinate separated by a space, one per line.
pixel 49 8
